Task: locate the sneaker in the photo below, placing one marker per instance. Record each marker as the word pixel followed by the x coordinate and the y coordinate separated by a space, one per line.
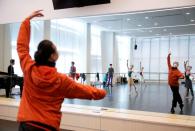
pixel 172 110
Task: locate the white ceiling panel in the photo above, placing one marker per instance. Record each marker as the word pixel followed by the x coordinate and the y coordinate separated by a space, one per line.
pixel 164 22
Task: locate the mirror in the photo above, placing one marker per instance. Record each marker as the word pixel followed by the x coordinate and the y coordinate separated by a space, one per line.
pixel 143 38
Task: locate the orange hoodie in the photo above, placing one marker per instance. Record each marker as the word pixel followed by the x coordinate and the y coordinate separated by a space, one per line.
pixel 174 74
pixel 44 88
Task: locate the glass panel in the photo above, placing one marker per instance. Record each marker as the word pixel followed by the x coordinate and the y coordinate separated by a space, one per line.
pixel 123 44
pixel 36 37
pixel 192 52
pixel 164 48
pixel 67 36
pixel 96 61
pixel 154 63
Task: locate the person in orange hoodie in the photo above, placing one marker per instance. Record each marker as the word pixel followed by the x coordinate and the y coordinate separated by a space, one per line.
pixel 44 88
pixel 173 79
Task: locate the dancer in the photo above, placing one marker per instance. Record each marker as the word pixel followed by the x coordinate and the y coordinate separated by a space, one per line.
pixel 83 78
pixel 44 88
pixel 142 80
pixel 173 77
pixel 188 81
pixel 130 80
pixel 105 79
pixel 110 75
pixel 73 70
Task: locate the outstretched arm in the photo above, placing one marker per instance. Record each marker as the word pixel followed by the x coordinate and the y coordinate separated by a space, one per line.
pixel 127 65
pixel 185 65
pixel 24 40
pixel 169 61
pixel 71 89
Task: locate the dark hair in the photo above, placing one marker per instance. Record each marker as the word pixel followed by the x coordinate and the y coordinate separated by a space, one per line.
pixel 43 53
pixel 12 61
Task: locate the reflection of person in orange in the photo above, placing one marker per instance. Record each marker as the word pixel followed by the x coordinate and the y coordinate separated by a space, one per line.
pixel 44 88
pixel 73 70
pixel 173 79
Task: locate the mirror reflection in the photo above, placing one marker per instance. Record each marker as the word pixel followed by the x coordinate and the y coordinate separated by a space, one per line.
pixel 135 45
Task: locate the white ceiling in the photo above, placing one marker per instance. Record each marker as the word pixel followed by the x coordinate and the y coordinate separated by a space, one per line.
pixel 144 24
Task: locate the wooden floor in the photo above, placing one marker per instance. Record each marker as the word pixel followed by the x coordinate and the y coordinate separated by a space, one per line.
pixel 153 97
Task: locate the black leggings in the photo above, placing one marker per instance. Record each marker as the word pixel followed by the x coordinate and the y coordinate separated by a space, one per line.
pixel 189 87
pixel 176 96
pixel 34 126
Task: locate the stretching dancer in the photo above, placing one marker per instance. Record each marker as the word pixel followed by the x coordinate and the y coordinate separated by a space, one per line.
pixel 188 81
pixel 173 77
pixel 130 80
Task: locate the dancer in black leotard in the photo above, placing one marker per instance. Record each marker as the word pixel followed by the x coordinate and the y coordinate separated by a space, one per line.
pixel 188 81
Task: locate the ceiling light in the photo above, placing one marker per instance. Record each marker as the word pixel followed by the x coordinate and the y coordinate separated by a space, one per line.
pixel 150 30
pixel 170 33
pixel 139 25
pixel 191 20
pixel 164 29
pixel 187 13
pixel 155 23
pixel 157 34
pixel 128 19
pixel 146 17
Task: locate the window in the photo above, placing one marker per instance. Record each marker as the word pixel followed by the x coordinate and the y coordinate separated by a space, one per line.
pixel 96 60
pixel 36 37
pixel 123 44
pixel 67 36
pixel 152 52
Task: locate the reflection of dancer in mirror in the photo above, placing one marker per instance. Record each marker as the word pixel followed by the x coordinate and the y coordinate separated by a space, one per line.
pixel 73 70
pixel 188 81
pixel 98 76
pixel 142 80
pixel 110 75
pixel 44 88
pixel 83 78
pixel 130 79
pixel 173 79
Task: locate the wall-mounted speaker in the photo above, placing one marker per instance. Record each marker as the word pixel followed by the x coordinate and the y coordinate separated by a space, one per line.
pixel 135 47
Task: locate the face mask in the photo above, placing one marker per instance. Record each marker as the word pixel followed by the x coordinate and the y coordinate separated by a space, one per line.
pixel 175 65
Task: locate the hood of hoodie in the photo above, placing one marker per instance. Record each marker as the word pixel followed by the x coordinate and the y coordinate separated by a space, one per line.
pixel 44 76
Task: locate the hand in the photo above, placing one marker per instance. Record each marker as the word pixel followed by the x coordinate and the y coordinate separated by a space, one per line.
pixel 169 52
pixel 36 14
